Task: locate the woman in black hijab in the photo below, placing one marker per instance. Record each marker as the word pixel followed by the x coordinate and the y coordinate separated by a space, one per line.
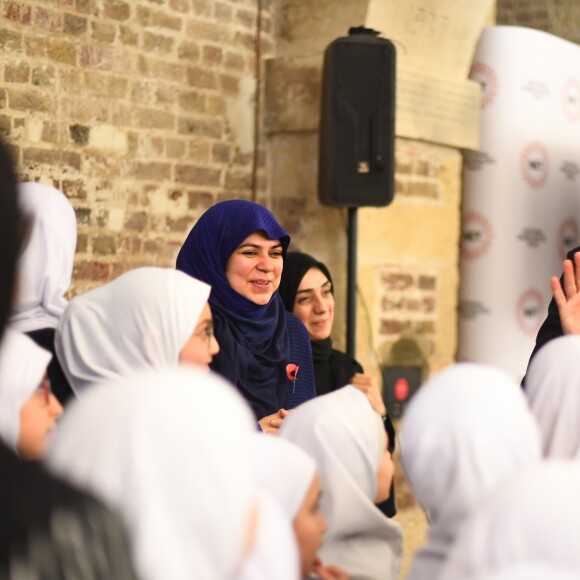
pixel 307 291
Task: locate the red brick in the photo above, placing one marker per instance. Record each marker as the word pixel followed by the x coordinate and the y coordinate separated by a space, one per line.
pixel 204 127
pixel 103 31
pixel 128 36
pixel 29 100
pixel 180 5
pixel 62 51
pixel 16 72
pixel 18 12
pixel 10 41
pixel 73 24
pixel 427 282
pixel 397 281
pixel 95 57
pixel 246 18
pixel 47 19
pixel 212 55
pixel 192 101
pixel 104 245
pixel 201 78
pixel 74 188
pixel 158 43
pixel 197 175
pixel 180 224
pixel 88 7
pixel 137 221
pixel 88 270
pixel 117 10
pixel 200 199
pixel 393 326
pixel 154 119
pixel 43 76
pixel 152 171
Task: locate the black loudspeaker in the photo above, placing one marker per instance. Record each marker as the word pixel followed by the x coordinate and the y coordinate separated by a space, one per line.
pixel 357 121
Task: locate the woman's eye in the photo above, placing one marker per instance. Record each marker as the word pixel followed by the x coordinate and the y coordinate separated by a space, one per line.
pixel 302 301
pixel 249 253
pixel 276 254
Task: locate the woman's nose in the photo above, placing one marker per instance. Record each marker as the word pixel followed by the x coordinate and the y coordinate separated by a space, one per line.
pixel 266 264
pixel 55 408
pixel 319 305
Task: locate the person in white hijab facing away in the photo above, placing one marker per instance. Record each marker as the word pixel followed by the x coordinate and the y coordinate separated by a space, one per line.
pixel 290 476
pixel 146 318
pixel 553 392
pixel 530 571
pixel 465 430
pixel 186 487
pixel 274 554
pixel 347 440
pixel 28 410
pixel 45 269
pixel 516 526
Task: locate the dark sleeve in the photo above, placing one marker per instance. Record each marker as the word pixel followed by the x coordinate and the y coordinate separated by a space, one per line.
pixel 300 355
pixel 44 338
pixel 389 506
pixel 551 327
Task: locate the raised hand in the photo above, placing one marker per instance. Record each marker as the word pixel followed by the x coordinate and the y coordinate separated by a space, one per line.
pixel 568 298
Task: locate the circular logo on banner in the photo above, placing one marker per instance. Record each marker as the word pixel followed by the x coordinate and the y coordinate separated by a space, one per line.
pixel 567 237
pixel 530 311
pixel 476 235
pixel 486 76
pixel 534 165
pixel 572 100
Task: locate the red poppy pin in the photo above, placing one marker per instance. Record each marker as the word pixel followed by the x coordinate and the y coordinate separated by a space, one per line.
pixel 291 373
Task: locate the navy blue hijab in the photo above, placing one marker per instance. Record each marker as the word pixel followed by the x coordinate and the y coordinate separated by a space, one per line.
pixel 254 342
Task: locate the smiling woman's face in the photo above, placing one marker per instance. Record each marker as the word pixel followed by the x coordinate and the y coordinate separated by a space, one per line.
pixel 314 304
pixel 255 268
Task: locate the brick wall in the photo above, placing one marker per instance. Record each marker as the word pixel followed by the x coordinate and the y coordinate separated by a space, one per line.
pixel 140 112
pixel 561 17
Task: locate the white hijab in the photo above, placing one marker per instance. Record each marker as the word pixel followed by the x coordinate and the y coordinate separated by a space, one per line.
pixel 46 264
pixel 463 432
pixel 140 320
pixel 284 473
pixel 553 391
pixel 345 436
pixel 274 555
pixel 22 367
pixel 176 462
pixel 533 516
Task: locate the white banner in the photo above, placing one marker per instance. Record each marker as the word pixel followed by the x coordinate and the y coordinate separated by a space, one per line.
pixel 521 199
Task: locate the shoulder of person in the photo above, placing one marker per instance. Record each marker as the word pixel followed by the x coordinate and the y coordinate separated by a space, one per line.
pixel 294 324
pixel 347 360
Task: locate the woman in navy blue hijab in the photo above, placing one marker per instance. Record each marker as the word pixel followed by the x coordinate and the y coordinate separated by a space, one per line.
pixel 239 248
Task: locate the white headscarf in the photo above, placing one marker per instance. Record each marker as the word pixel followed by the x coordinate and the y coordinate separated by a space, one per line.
pixel 46 264
pixel 274 555
pixel 177 462
pixel 22 367
pixel 140 320
pixel 553 391
pixel 533 516
pixel 345 437
pixel 463 432
pixel 284 471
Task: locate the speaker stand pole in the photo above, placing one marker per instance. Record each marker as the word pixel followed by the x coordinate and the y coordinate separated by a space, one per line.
pixel 351 283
